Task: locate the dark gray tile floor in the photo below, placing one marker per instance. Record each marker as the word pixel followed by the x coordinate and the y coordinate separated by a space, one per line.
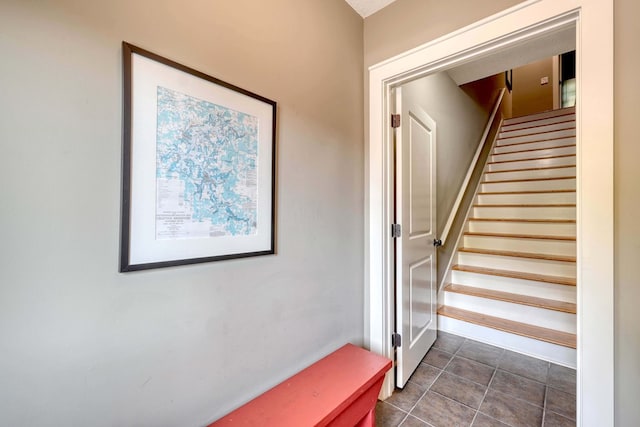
pixel 461 382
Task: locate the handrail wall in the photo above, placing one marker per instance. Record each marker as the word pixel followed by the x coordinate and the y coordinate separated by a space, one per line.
pixel 464 202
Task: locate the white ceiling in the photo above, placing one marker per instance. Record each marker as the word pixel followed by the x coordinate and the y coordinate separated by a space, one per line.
pixel 551 44
pixel 368 7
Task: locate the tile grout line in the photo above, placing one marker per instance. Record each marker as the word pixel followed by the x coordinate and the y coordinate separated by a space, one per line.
pixel 517 399
pixel 436 378
pixel 527 379
pixel 476 361
pixel 522 376
pixel 394 406
pixel 502 422
pixel 561 415
pixel 425 391
pixel 528 402
pixel 404 419
pixel 407 413
pixel 458 376
pixel 454 401
pixel 546 390
pixel 495 370
pixel 544 403
pixel 457 353
pixel 467 379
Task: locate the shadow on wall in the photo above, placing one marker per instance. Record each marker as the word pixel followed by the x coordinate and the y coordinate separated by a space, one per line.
pixel 485 93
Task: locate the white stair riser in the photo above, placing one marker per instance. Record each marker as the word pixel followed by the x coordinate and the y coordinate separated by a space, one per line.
pixel 533 154
pixel 525 212
pixel 542 350
pixel 556 229
pixel 516 286
pixel 538 137
pixel 564 197
pixel 524 265
pixel 543 246
pixel 554 184
pixel 524 143
pixel 534 145
pixel 536 316
pixel 557 114
pixel 537 128
pixel 529 174
pixel 535 163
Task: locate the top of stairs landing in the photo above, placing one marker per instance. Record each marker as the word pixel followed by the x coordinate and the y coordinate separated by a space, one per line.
pixel 539 116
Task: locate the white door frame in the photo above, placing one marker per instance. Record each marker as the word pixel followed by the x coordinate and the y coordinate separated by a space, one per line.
pixel 594 68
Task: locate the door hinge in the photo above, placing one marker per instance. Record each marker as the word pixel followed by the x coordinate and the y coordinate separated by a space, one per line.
pixel 395 120
pixel 396 231
pixel 396 340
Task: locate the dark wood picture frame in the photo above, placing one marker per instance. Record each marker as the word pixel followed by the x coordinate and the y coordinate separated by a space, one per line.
pixel 221 105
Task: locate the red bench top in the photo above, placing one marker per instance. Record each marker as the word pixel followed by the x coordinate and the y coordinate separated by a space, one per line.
pixel 317 395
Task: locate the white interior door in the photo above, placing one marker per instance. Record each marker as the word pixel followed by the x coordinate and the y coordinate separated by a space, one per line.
pixel 416 288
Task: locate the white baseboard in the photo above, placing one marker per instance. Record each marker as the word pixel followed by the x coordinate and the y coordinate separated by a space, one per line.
pixel 541 350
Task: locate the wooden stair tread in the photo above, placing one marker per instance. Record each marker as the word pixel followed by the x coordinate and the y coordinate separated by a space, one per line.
pixel 520 236
pixel 532 159
pixel 539 126
pixel 535 141
pixel 526 131
pixel 524 192
pixel 559 280
pixel 534 149
pixel 530 255
pixel 533 169
pixel 524 205
pixel 537 133
pixel 549 304
pixel 564 339
pixel 553 178
pixel 554 221
pixel 562 112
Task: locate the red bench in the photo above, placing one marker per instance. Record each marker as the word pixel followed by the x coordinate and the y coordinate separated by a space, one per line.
pixel 339 390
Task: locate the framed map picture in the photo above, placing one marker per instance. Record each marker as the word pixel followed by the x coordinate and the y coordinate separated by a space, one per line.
pixel 198 166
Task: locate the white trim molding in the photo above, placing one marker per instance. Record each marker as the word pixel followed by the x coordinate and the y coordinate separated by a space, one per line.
pixel 593 23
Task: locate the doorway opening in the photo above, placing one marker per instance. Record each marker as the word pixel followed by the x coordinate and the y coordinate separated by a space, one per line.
pixel 505 30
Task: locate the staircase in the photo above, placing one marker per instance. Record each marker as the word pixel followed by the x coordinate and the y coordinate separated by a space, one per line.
pixel 514 284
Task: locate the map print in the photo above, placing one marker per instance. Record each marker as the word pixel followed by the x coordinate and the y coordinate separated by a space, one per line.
pixel 206 169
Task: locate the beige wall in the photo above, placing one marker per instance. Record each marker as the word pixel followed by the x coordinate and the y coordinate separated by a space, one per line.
pixel 408 23
pixel 485 92
pixel 405 24
pixel 529 96
pixel 627 213
pixel 449 106
pixel 81 344
pixel 440 97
